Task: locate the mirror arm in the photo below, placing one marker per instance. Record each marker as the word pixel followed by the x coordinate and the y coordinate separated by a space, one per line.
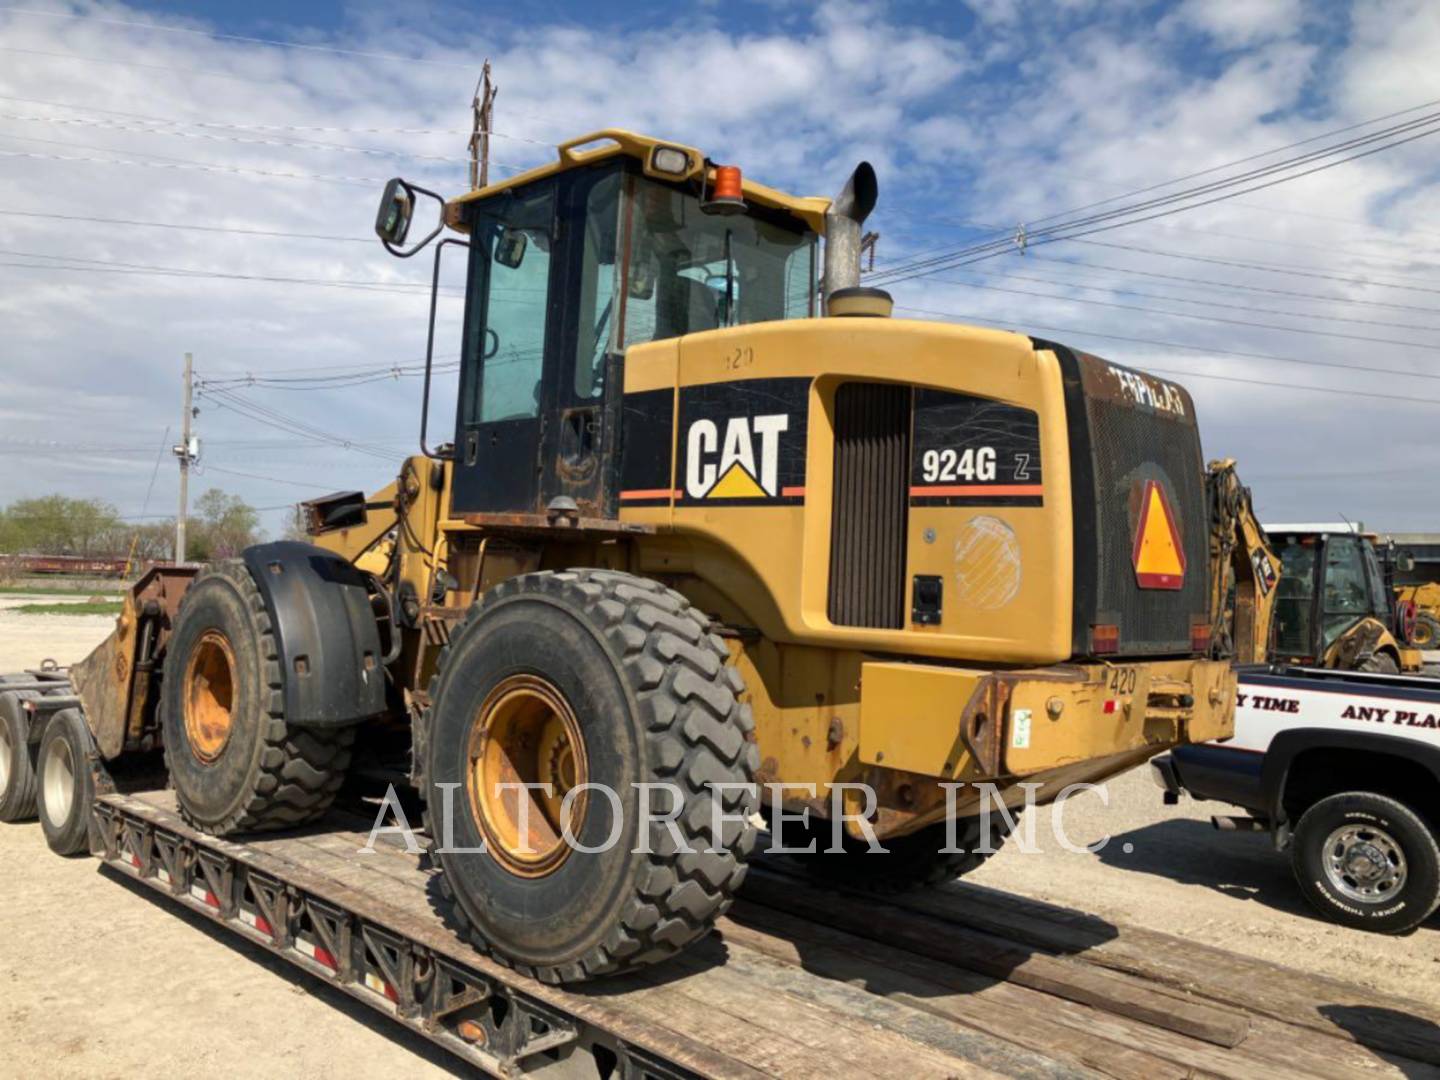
pixel 412 190
pixel 430 349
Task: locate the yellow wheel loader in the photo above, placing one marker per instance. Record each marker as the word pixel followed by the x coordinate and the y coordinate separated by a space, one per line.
pixel 712 535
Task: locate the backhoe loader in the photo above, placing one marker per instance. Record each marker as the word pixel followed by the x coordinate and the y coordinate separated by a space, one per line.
pixel 713 536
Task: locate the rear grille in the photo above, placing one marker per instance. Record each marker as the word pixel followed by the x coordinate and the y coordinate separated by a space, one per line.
pixel 1133 442
pixel 871 501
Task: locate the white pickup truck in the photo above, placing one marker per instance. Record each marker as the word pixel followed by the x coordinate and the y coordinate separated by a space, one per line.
pixel 1343 769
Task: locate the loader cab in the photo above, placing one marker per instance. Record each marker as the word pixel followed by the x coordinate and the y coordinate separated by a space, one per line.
pixel 566 273
pixel 1329 582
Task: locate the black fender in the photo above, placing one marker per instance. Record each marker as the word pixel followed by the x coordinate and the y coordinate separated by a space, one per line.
pixel 1289 744
pixel 325 631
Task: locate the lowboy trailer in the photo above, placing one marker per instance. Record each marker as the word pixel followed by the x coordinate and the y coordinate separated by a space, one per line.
pixel 799 981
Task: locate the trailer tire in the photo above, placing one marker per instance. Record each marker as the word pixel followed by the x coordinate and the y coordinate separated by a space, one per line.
pixel 618 681
pixel 235 764
pixel 66 792
pixel 915 861
pixel 17 759
pixel 1337 845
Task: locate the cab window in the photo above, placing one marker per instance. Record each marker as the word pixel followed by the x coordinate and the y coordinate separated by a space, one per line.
pixel 511 244
pixel 690 271
pixel 1295 599
pixel 1347 589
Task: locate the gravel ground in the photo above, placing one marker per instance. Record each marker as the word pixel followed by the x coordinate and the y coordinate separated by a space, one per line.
pixel 78 942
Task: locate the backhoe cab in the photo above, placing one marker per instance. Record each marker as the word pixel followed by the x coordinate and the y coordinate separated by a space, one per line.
pixel 704 543
pixel 1335 606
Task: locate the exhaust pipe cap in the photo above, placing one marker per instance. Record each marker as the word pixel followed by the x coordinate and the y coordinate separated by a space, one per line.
pixel 860 301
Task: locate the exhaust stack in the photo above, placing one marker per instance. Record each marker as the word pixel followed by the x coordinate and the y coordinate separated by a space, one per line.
pixel 843 223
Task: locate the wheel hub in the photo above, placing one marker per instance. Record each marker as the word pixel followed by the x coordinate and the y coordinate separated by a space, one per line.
pixel 58 776
pixel 1364 863
pixel 209 696
pixel 525 733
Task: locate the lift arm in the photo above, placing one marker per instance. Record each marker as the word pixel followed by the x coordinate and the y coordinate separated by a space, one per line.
pixel 1240 555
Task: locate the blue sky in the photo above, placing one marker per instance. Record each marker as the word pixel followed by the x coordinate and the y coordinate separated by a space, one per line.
pixel 984 115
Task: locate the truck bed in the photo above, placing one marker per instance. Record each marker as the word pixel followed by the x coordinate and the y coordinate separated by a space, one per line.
pixel 798 981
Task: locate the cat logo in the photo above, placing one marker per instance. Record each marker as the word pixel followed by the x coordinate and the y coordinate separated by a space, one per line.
pixel 744 463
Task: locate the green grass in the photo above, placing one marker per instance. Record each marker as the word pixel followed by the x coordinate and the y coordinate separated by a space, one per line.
pixel 106 607
pixel 53 590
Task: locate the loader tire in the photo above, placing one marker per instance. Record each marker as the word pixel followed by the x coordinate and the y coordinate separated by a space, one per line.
pixel 65 766
pixel 915 861
pixel 588 677
pixel 1426 634
pixel 235 763
pixel 17 761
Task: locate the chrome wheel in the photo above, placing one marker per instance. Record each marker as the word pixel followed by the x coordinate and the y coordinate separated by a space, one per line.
pixel 58 778
pixel 1364 863
pixel 7 753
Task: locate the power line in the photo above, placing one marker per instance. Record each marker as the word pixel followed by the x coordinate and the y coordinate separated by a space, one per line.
pixel 88 220
pixel 1106 221
pixel 189 166
pixel 952 316
pixel 256 476
pixel 1189 300
pixel 263 414
pixel 217 36
pixel 295 128
pixel 1210 318
pixel 299 144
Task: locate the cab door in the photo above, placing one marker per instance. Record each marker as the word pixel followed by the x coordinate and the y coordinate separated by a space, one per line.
pixel 508 352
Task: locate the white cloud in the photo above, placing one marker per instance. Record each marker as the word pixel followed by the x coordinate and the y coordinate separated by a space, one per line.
pixel 1086 106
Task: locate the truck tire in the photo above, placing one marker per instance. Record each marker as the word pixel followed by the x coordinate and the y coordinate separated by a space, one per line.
pixel 235 763
pixel 1427 631
pixel 599 678
pixel 914 861
pixel 66 795
pixel 17 762
pixel 1367 861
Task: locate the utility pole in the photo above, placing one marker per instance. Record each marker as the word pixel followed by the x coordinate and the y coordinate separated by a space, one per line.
pixel 186 453
pixel 483 107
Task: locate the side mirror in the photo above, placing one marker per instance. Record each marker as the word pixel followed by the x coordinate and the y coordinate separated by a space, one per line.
pixel 392 220
pixel 1405 562
pixel 510 248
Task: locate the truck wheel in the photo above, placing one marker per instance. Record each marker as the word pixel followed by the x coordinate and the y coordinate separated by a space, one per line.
pixel 1427 631
pixel 591 682
pixel 236 765
pixel 17 763
pixel 1380 664
pixel 1367 861
pixel 66 794
pixel 914 861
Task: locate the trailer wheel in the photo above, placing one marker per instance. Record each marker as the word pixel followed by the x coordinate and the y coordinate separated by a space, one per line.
pixel 17 761
pixel 236 765
pixel 66 794
pixel 915 861
pixel 591 682
pixel 1367 861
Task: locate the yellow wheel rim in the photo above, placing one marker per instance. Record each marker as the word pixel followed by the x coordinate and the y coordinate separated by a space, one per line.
pixel 209 696
pixel 525 733
pixel 1423 634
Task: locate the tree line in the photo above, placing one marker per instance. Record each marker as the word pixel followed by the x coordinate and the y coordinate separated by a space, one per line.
pixel 220 526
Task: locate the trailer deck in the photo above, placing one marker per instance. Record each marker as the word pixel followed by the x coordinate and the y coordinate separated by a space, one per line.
pixel 799 981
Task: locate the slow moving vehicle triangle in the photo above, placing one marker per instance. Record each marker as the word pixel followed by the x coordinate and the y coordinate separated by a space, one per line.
pixel 1159 557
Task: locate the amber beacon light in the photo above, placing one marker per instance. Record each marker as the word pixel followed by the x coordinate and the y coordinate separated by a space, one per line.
pixel 725 194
